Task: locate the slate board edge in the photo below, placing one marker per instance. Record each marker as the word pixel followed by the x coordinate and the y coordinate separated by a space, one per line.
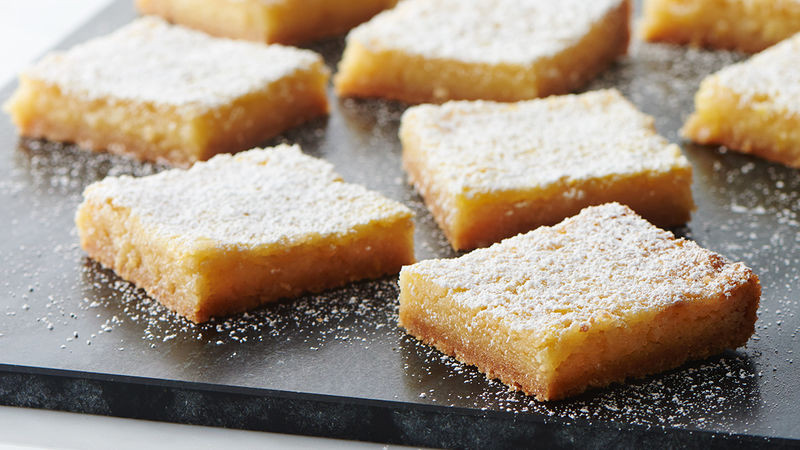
pixel 330 416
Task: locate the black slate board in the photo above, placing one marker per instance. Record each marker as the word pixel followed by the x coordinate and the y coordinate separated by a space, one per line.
pixel 75 337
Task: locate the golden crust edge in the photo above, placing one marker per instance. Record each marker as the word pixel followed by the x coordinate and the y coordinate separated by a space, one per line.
pixel 190 295
pixel 614 28
pixel 744 298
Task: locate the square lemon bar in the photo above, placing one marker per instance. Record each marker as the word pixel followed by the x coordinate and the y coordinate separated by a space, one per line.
pixel 488 170
pixel 745 25
pixel 754 106
pixel 282 21
pixel 240 230
pixel 505 50
pixel 600 297
pixel 164 93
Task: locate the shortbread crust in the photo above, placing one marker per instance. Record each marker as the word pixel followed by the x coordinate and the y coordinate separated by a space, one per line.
pixel 599 298
pixel 238 231
pixel 488 170
pixel 745 25
pixel 754 106
pixel 505 50
pixel 165 93
pixel 269 21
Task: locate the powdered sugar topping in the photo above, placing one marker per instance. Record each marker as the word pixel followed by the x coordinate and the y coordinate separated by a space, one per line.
pixel 150 60
pixel 772 75
pixel 605 264
pixel 259 197
pixel 500 31
pixel 474 147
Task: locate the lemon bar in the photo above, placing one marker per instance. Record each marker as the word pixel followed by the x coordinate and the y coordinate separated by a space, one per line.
pixel 489 170
pixel 504 50
pixel 745 25
pixel 600 297
pixel 240 230
pixel 164 93
pixel 754 106
pixel 281 21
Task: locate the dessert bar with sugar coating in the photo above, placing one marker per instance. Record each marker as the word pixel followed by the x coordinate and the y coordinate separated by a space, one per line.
pixel 281 21
pixel 600 297
pixel 165 93
pixel 753 106
pixel 488 170
pixel 240 230
pixel 504 50
pixel 745 25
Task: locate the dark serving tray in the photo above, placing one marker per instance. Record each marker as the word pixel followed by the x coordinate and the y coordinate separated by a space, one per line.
pixel 75 337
